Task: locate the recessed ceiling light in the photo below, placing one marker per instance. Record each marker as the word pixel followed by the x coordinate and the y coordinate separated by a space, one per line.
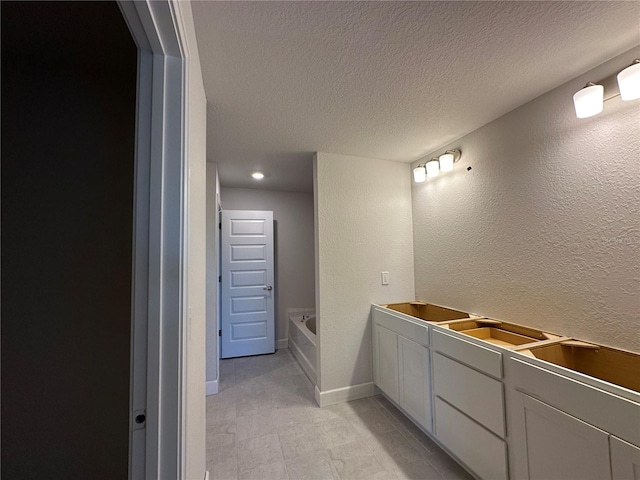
pixel 258 175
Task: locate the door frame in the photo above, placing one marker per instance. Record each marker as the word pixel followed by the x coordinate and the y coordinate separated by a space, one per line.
pixel 156 447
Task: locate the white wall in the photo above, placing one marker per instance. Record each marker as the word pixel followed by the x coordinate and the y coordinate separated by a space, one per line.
pixel 213 195
pixel 545 230
pixel 363 227
pixel 193 427
pixel 293 216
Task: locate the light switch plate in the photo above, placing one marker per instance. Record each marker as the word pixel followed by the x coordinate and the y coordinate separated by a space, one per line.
pixel 385 278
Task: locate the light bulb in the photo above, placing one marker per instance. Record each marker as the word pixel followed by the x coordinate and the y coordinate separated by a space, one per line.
pixel 419 174
pixel 446 162
pixel 589 101
pixel 258 175
pixel 629 82
pixel 433 168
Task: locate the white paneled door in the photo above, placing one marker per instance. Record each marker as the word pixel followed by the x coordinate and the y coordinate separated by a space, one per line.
pixel 247 290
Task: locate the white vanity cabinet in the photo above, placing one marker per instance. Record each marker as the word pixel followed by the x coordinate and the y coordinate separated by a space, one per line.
pixel 401 363
pixel 507 401
pixel 568 425
pixel 625 460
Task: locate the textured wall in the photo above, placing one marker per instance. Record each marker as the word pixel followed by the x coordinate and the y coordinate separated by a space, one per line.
pixel 363 227
pixel 545 230
pixel 293 216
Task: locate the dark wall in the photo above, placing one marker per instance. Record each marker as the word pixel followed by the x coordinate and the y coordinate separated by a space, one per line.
pixel 68 120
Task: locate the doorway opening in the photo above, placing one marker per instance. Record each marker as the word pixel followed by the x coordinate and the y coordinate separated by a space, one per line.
pixel 69 74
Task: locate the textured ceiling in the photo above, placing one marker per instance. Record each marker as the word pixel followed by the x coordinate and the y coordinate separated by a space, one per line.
pixel 393 80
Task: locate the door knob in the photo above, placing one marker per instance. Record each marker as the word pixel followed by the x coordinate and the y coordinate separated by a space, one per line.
pixel 268 287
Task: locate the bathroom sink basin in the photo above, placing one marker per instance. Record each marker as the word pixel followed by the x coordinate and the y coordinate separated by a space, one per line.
pixel 609 364
pixel 498 336
pixel 427 311
pixel 495 332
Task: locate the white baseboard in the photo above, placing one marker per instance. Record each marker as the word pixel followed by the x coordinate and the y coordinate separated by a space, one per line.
pixel 282 343
pixel 345 394
pixel 211 387
pixel 206 475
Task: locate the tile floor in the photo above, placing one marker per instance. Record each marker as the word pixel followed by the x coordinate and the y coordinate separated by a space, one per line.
pixel 264 424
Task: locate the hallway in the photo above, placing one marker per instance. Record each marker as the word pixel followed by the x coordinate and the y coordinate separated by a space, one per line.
pixel 265 424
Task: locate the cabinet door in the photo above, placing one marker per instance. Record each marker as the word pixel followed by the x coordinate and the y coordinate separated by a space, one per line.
pixel 386 361
pixel 415 391
pixel 552 444
pixel 625 460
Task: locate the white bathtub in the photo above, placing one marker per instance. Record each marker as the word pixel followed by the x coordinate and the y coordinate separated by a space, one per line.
pixel 302 342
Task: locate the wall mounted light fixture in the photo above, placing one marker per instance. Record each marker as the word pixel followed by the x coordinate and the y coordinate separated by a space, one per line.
pixel 590 100
pixel 629 81
pixel 432 168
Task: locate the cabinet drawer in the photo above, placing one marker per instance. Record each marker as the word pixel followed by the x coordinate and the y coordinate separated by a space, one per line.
pixel 475 446
pixel 406 328
pixel 477 356
pixel 479 396
pixel 611 413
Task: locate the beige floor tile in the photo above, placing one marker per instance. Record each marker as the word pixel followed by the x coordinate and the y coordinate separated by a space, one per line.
pixel 225 382
pixel 220 440
pixel 418 470
pixel 358 468
pixel 353 409
pixel 264 424
pixel 220 454
pixel 362 405
pixel 287 399
pixel 227 470
pixel 384 475
pixel 301 440
pixel 413 433
pixel 226 368
pixel 300 380
pixel 371 421
pixel 355 460
pixel 447 467
pixel 354 449
pixel 273 471
pixel 250 373
pixel 318 414
pixel 391 447
pixel 226 426
pixel 338 432
pixel 285 418
pixel 253 426
pixel 243 391
pixel 279 384
pixel 259 451
pixel 220 412
pixel 313 466
pixel 259 404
